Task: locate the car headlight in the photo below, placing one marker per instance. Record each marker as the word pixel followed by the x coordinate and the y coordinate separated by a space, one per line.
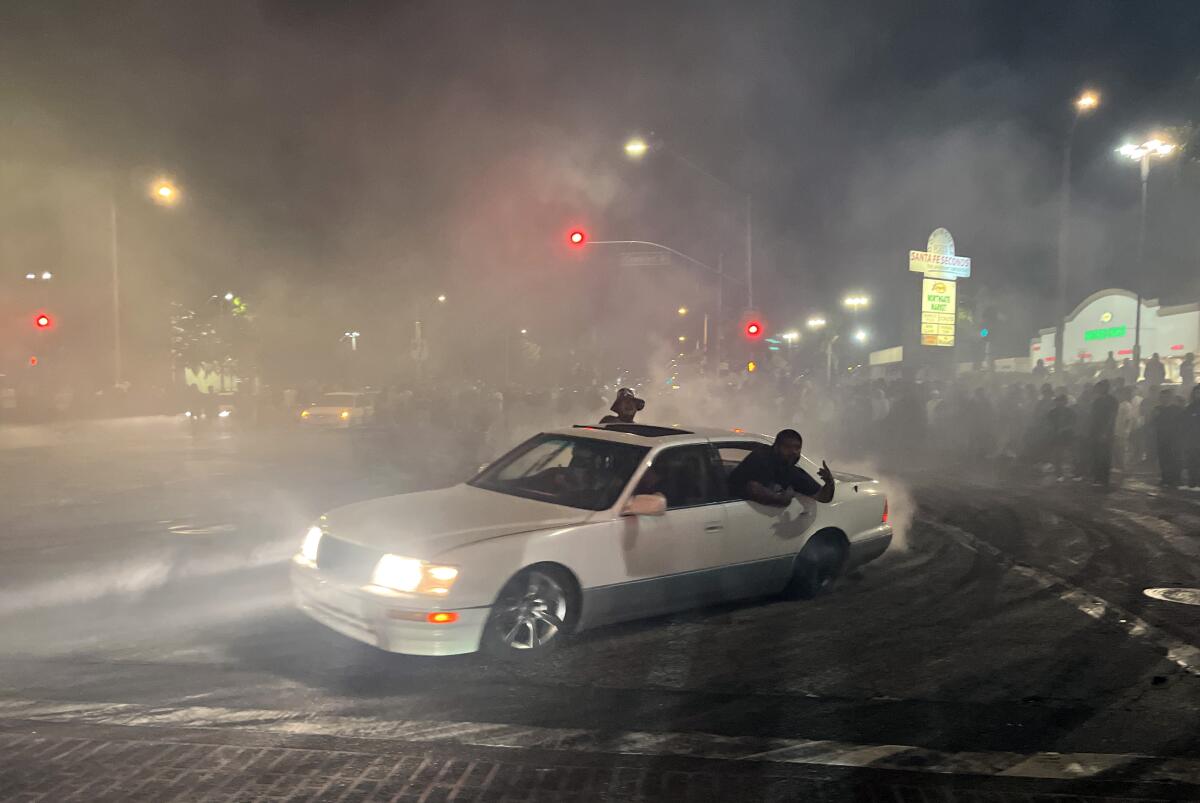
pixel 305 413
pixel 223 414
pixel 409 574
pixel 345 415
pixel 312 540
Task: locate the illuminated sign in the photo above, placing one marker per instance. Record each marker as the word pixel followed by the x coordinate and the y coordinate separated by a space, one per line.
pixel 938 306
pixel 1105 333
pixel 944 266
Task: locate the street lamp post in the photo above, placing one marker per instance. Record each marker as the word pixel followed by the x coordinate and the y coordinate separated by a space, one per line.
pixel 1085 103
pixel 1142 154
pixel 163 192
pixel 637 147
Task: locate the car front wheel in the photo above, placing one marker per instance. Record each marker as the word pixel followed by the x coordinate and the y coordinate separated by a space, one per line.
pixel 531 616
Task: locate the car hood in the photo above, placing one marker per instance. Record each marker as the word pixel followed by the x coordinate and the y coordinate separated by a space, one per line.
pixel 427 523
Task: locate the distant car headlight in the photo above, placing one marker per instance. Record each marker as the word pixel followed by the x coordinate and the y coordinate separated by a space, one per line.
pixel 224 413
pixel 305 414
pixel 409 574
pixel 312 540
pixel 345 415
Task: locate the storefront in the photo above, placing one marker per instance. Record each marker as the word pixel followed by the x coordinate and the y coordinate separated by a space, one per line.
pixel 1107 321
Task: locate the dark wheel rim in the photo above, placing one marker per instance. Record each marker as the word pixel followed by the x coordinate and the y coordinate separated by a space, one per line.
pixel 531 612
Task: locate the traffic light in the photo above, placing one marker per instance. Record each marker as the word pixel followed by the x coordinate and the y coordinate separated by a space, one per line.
pixel 984 332
pixel 42 321
pixel 577 238
pixel 751 367
pixel 754 330
pixel 33 361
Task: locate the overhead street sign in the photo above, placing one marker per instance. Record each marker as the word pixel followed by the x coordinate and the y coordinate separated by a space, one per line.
pixel 939 266
pixel 645 259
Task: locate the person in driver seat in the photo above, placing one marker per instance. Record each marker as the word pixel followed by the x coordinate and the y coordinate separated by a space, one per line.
pixel 626 406
pixel 770 476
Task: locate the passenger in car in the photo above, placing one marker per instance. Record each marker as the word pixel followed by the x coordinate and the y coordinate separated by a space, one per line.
pixel 626 406
pixel 770 476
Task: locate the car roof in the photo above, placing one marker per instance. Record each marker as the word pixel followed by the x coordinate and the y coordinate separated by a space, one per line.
pixel 655 434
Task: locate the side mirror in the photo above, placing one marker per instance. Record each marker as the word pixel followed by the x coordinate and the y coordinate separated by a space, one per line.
pixel 645 505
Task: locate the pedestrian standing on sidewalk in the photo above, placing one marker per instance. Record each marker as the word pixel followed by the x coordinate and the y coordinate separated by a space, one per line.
pixel 1101 425
pixel 1168 431
pixel 1060 429
pixel 1131 372
pixel 1123 429
pixel 1156 372
pixel 1187 374
pixel 1191 438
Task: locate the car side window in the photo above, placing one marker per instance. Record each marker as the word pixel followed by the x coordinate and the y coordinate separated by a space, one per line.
pixel 728 455
pixel 684 475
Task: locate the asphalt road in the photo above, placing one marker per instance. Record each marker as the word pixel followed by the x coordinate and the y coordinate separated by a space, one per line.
pixel 1005 651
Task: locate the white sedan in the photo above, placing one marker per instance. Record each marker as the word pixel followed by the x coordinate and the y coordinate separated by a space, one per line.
pixel 573 529
pixel 340 409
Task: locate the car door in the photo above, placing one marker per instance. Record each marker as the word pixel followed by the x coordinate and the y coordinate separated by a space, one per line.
pixel 760 541
pixel 671 560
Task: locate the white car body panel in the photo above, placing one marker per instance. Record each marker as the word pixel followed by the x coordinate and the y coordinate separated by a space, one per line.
pixel 626 566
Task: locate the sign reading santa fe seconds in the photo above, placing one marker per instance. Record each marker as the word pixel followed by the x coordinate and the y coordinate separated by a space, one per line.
pixel 938 297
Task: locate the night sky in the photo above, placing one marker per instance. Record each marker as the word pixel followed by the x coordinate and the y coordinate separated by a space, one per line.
pixel 352 154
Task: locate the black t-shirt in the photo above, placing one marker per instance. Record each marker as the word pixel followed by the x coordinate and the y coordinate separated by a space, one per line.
pixel 770 470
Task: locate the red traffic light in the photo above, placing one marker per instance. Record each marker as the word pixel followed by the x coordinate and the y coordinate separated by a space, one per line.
pixel 577 238
pixel 33 361
pixel 754 330
pixel 42 321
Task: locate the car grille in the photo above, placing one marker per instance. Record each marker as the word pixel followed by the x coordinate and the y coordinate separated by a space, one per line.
pixel 345 560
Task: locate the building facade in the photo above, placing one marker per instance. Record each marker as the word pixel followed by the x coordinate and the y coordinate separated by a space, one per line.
pixel 1107 321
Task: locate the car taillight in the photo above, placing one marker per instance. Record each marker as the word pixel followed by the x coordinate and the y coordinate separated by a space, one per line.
pixel 885 510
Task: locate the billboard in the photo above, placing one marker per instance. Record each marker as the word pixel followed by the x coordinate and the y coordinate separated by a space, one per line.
pixel 938 310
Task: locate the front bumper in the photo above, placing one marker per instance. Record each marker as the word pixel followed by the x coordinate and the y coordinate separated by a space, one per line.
pixel 371 618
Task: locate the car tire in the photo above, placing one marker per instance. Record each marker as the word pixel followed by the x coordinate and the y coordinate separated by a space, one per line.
pixel 817 567
pixel 533 614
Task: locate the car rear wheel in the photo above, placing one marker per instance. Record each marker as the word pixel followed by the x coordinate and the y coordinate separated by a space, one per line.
pixel 531 616
pixel 817 567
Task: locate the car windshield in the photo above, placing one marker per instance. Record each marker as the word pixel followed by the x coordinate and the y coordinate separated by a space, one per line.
pixel 585 473
pixel 336 400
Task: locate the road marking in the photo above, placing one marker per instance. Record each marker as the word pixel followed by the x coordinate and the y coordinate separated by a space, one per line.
pixel 690 745
pixel 1184 655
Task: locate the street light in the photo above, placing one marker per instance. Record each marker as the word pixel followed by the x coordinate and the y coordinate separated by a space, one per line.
pixel 164 192
pixel 30 275
pixel 1087 102
pixel 791 337
pixel 47 276
pixel 861 336
pixel 524 331
pixel 683 311
pixel 1142 154
pixel 816 323
pixel 855 303
pixel 441 299
pixel 229 296
pixel 636 148
pixel 353 338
